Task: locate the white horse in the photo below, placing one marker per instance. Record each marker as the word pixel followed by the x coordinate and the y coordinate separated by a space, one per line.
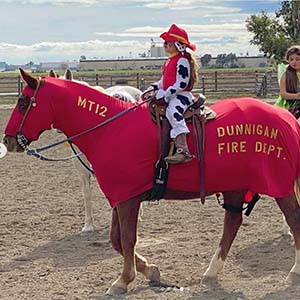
pixel 82 165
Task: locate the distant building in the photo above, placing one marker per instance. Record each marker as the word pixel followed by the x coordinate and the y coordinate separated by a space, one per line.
pixel 157 51
pixel 247 61
pixel 57 66
pixel 121 64
pixel 253 61
pixel 151 63
pixel 3 65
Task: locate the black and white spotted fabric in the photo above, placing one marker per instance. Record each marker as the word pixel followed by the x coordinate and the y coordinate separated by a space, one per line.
pixel 178 100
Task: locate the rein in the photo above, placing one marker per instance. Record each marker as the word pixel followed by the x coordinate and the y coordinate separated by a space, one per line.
pixel 36 152
pixel 21 139
pixel 80 159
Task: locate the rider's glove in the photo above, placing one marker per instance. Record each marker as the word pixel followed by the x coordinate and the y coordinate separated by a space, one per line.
pixel 161 94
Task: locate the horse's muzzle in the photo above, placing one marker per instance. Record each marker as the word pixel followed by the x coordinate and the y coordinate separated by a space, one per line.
pixel 12 144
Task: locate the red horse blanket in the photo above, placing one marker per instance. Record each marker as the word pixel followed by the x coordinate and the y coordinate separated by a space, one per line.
pixel 251 145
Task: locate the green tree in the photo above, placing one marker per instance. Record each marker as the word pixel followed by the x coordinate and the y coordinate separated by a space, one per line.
pixel 230 61
pixel 205 59
pixel 226 60
pixel 290 13
pixel 30 64
pixel 221 59
pixel 274 35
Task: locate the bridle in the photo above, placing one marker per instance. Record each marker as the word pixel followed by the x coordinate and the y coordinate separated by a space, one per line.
pixel 21 139
pixel 24 142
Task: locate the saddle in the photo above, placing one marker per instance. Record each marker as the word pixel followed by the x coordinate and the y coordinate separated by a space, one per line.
pixel 158 108
pixel 198 114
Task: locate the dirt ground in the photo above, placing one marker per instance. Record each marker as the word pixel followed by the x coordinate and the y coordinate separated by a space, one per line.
pixel 44 256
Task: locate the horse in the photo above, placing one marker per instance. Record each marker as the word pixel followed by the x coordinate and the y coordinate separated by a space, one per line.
pixel 126 93
pixel 82 165
pixel 250 145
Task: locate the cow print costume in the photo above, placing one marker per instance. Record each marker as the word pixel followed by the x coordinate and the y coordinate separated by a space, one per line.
pixel 173 87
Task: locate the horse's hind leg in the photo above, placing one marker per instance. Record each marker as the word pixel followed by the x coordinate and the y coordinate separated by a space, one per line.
pixel 291 210
pixel 123 237
pixel 232 223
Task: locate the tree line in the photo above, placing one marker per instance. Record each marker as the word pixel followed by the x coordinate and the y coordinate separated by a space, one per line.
pixel 274 35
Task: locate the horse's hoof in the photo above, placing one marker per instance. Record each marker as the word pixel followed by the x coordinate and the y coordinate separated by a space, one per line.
pixel 116 291
pixel 153 273
pixel 88 229
pixel 209 280
pixel 293 278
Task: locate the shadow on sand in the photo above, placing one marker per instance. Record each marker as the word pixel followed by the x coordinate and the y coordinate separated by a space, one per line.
pixel 71 251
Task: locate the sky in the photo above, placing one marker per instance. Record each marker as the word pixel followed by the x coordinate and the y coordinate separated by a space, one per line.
pixel 64 30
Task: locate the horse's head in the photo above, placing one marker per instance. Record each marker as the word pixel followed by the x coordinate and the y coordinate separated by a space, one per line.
pixel 30 117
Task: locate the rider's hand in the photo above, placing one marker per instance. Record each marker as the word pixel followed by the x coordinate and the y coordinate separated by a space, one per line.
pixel 160 94
pixel 148 93
pixel 298 96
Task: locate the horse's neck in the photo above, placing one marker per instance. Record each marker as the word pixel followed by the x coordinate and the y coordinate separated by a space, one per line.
pixel 80 108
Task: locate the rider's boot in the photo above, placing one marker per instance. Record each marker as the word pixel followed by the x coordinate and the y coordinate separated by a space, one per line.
pixel 182 153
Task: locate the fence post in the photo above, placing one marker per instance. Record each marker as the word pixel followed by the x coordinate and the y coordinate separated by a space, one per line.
pixel 265 84
pixel 256 84
pixel 138 80
pixel 111 80
pixel 142 84
pixel 20 85
pixel 203 85
pixel 97 79
pixel 216 81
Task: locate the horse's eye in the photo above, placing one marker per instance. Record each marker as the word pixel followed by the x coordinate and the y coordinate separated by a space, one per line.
pixel 23 103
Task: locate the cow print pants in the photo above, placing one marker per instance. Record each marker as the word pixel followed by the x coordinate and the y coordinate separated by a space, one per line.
pixel 178 104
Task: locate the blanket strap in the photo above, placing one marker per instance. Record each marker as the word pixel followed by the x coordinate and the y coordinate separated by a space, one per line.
pixel 199 126
pixel 161 167
pixel 236 209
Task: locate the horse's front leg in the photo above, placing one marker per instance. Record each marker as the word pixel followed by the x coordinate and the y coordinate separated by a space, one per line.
pixel 232 223
pixel 291 210
pixel 124 236
pixel 150 271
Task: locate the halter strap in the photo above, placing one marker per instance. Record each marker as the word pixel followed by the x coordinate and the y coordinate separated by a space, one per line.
pixel 32 103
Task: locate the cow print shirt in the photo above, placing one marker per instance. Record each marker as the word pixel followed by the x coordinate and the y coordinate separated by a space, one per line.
pixel 182 80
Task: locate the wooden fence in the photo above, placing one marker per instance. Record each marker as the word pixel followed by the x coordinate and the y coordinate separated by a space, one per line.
pixel 217 83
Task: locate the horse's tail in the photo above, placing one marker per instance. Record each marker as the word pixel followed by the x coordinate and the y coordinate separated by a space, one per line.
pixel 297 189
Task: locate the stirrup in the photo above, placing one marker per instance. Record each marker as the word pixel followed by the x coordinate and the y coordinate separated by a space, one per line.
pixel 181 156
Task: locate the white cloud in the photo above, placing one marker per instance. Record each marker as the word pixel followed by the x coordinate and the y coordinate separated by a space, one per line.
pixel 53 2
pixel 215 26
pixel 75 2
pixel 198 32
pixel 202 6
pixel 62 51
pixel 233 38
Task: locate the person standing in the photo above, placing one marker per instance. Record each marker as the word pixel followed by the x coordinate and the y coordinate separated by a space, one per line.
pixel 289 82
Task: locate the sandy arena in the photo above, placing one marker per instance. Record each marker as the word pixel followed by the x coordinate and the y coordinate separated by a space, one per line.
pixel 44 256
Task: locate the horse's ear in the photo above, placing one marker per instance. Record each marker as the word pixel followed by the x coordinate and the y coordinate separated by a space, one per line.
pixel 68 74
pixel 52 74
pixel 31 81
